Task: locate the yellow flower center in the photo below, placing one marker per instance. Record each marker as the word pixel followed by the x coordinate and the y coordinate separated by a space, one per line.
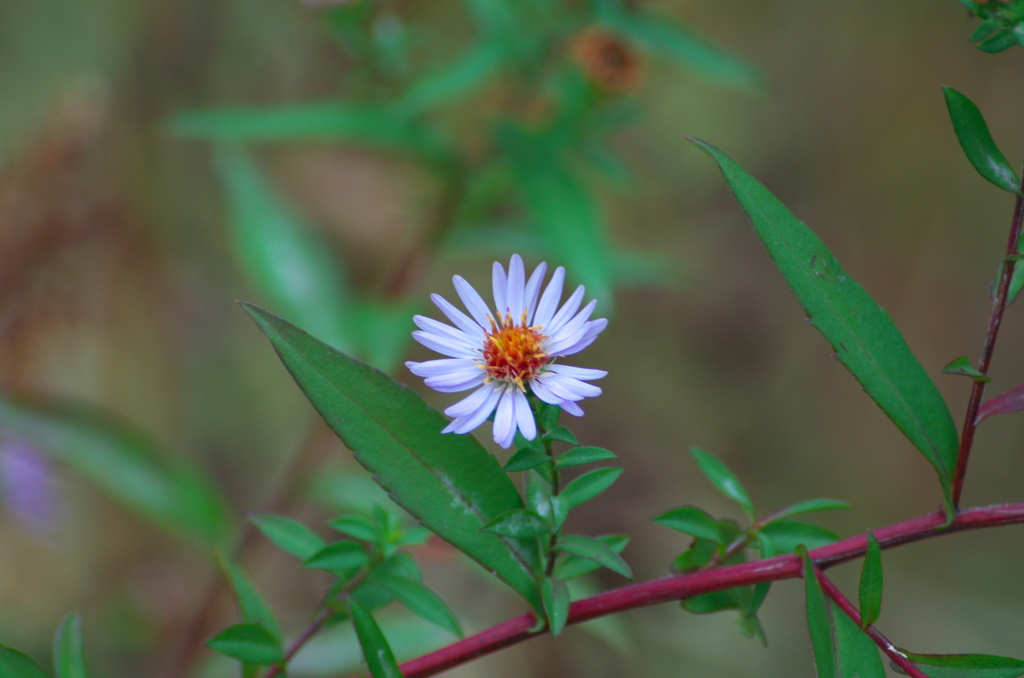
pixel 512 353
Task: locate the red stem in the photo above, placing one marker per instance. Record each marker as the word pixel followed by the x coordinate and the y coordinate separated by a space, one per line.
pixel 833 592
pixel 687 585
pixel 994 321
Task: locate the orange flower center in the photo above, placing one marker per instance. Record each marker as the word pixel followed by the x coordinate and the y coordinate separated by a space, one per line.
pixel 512 353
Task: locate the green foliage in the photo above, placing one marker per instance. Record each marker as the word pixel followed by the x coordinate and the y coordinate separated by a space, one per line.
pixel 583 455
pixel 1002 24
pixel 715 470
pixel 14 664
pixel 288 535
pixel 419 600
pixel 555 595
pixel 967 665
pixel 862 335
pixel 787 536
pixel 962 366
pixel 448 482
pixel 871 583
pixel 376 651
pixel 692 521
pixel 68 650
pixel 249 643
pixel 125 464
pixel 587 486
pixel 519 523
pixel 339 557
pixel 819 621
pixel 858 654
pixel 595 550
pixel 571 566
pixel 254 610
pixel 974 137
pixel 810 506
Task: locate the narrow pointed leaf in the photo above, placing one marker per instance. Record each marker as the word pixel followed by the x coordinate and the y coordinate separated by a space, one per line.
pixel 786 536
pixel 519 523
pixel 125 464
pixel 578 456
pixel 974 137
pixel 1011 401
pixel 289 535
pixel 589 485
pixel 449 482
pixel 15 664
pixel 555 595
pixel 967 665
pixel 562 435
pixel 962 366
pixel 819 621
pixel 760 591
pixel 692 521
pixel 862 335
pixel 376 651
pixel 596 550
pixel 250 603
pixel 525 459
pixel 871 583
pixel 571 566
pixel 715 470
pixel 249 643
pixel 342 555
pixel 68 651
pixel 858 654
pixel 357 527
pixel 419 600
pixel 811 506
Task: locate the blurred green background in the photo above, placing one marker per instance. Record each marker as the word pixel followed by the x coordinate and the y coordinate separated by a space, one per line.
pixel 118 276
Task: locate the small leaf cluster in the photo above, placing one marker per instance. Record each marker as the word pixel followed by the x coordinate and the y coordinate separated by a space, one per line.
pixel 369 570
pixel 723 541
pixel 68 655
pixel 547 505
pixel 1002 24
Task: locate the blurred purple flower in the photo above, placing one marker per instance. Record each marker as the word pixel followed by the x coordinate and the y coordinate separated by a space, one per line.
pixel 26 487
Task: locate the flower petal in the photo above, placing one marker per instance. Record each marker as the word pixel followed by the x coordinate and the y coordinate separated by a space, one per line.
pixel 570 332
pixel 584 373
pixel 572 408
pixel 447 332
pixel 504 418
pixel 514 291
pixel 565 313
pixel 524 417
pixel 499 285
pixel 473 301
pixel 549 300
pixel 439 344
pixel 432 368
pixel 590 332
pixel 461 320
pixel 544 393
pixel 568 388
pixel 473 410
pixel 456 381
pixel 532 291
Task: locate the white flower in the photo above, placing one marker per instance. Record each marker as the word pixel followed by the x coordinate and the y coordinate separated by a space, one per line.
pixel 505 354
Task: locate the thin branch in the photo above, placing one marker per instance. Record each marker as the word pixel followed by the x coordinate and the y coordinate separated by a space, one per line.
pixel 833 592
pixel 994 321
pixel 687 585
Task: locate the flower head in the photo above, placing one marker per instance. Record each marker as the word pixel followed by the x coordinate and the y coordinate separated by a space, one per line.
pixel 509 353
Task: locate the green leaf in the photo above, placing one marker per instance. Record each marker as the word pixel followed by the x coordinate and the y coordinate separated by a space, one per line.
pixel 1016 284
pixel 357 527
pixel 471 68
pixel 286 259
pixel 449 482
pixel 555 595
pixel 819 621
pixel 369 125
pixel 561 434
pixel 419 600
pixel 692 521
pixel 589 485
pixel 786 536
pixel 14 664
pixel 858 654
pixel 339 556
pixel 571 566
pixel 250 603
pixel 715 470
pixel 998 42
pixel 871 583
pixel 699 554
pixel 288 535
pixel 967 665
pixel 976 140
pixel 125 464
pixel 862 335
pixel 760 591
pixel 525 459
pixel 717 601
pixel 963 367
pixel 596 550
pixel 249 643
pixel 810 506
pixel 376 651
pixel 68 652
pixel 583 455
pixel 519 523
pixel 559 512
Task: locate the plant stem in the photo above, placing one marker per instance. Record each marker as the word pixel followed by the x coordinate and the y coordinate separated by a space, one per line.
pixel 994 321
pixel 682 586
pixel 833 592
